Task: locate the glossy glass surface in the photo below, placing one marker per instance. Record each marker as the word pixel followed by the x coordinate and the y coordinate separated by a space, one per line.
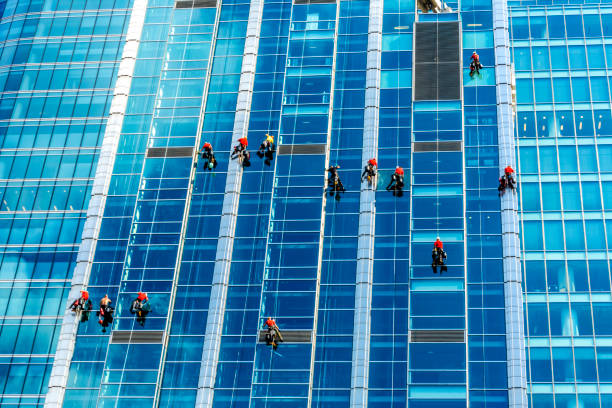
pixel 58 64
pixel 564 135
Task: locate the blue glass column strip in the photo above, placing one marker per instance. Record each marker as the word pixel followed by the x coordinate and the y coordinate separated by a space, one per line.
pixel 437 298
pixel 293 252
pixel 515 337
pixel 323 203
pixel 240 325
pixel 367 215
pixel 95 211
pixel 167 370
pixel 227 228
pixel 152 257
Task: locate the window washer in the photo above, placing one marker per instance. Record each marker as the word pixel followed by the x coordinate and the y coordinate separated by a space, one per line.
pixel 438 255
pixel 333 182
pixel 240 150
pixel 273 335
pixel 105 314
pixel 369 171
pixel 397 181
pixel 82 304
pixel 475 65
pixel 502 185
pixel 509 175
pixel 141 307
pixel 209 156
pixel 267 147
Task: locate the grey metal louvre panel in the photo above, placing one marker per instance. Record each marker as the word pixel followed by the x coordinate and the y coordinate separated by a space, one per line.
pixel 448 41
pixel 291 336
pixel 195 4
pixel 437 71
pixel 421 147
pixel 437 336
pixel 313 1
pixel 449 81
pixel 170 152
pixel 425 82
pixel 301 149
pixel 137 337
pixel 425 42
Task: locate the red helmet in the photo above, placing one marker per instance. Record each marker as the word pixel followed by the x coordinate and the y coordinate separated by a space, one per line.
pixel 373 162
pixel 142 296
pixel 399 170
pixel 207 145
pixel 243 141
pixel 85 294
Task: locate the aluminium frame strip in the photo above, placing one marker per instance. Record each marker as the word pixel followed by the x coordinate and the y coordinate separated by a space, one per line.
pixel 95 211
pixel 227 228
pixel 367 215
pixel 513 295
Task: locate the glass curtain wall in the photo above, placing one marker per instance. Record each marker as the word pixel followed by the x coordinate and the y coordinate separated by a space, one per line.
pixel 58 68
pixel 389 316
pixel 485 275
pixel 170 75
pixel 334 341
pixel 562 56
pixel 291 275
pixel 240 324
pixel 184 352
pixel 437 371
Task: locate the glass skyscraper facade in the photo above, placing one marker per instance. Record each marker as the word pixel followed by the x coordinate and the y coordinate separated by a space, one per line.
pixel 104 107
pixel 562 56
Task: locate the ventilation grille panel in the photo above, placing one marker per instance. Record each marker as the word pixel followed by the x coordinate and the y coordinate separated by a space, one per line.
pixel 437 68
pixel 182 4
pixel 314 1
pixel 301 149
pixel 437 336
pixel 421 147
pixel 137 337
pixel 290 336
pixel 170 152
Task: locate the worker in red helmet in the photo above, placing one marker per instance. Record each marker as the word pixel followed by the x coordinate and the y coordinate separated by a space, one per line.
pixel 206 150
pixel 240 150
pixel 209 156
pixel 273 334
pixel 397 181
pixel 369 170
pixel 438 255
pixel 475 65
pixel 509 175
pixel 141 307
pixel 82 304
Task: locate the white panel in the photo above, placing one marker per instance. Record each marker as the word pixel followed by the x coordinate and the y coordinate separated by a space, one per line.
pixel 367 216
pixel 515 339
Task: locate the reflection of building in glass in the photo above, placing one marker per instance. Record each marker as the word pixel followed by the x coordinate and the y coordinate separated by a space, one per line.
pixel 104 109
